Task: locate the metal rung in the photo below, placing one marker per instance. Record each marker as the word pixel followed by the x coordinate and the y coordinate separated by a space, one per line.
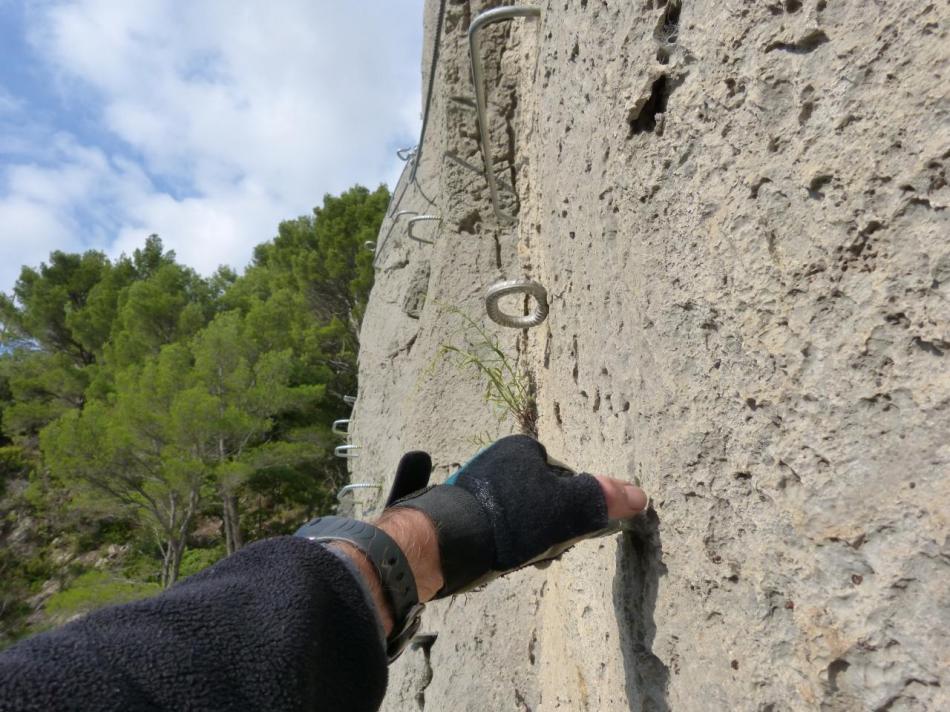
pixel 346 451
pixel 517 286
pixel 392 224
pixel 487 18
pixel 407 154
pixel 349 400
pixel 464 102
pixel 457 160
pixel 421 218
pixel 355 486
pixel 370 245
pixel 339 424
pixel 423 640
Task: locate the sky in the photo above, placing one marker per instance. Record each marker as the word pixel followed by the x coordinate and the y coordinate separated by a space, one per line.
pixel 206 122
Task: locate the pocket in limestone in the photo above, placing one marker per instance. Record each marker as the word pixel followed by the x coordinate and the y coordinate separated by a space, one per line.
pixel 416 292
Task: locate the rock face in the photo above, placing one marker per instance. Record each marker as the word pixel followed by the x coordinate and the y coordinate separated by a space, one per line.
pixel 739 211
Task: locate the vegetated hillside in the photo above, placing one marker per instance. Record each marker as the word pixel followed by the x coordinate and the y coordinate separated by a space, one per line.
pixel 739 211
pixel 154 420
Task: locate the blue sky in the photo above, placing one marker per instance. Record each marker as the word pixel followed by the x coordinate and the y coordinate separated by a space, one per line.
pixel 205 121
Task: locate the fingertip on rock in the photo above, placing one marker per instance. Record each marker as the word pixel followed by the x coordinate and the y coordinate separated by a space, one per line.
pixel 624 500
pixel 636 498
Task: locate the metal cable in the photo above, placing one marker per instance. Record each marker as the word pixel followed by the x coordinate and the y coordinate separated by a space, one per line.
pixel 507 12
pixel 425 114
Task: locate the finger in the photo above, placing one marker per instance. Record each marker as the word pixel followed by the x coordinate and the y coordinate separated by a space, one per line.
pixel 623 499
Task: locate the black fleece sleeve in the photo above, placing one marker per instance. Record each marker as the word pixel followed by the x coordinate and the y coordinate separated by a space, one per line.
pixel 284 624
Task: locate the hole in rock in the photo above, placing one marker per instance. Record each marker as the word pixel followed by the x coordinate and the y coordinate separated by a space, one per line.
pixel 645 120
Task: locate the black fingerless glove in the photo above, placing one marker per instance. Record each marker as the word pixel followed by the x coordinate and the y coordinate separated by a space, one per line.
pixel 508 507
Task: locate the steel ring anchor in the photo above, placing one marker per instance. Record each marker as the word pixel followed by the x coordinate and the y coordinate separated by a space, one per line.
pixel 517 286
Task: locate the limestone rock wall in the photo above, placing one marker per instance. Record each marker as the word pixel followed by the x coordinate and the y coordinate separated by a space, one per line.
pixel 739 210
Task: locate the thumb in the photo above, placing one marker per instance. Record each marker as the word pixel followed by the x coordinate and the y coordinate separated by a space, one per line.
pixel 623 499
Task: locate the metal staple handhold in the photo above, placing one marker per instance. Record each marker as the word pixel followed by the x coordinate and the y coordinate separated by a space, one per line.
pixel 406 154
pixel 349 400
pixel 517 286
pixel 486 18
pixel 421 218
pixel 463 102
pixel 462 163
pixel 370 245
pixel 345 451
pixel 337 426
pixel 354 486
pixel 392 224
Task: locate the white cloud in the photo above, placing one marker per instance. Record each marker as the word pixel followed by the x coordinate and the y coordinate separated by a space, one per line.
pixel 221 118
pixel 29 233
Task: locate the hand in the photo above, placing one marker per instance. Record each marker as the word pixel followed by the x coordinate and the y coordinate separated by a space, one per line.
pixel 451 528
pixel 416 535
pixel 508 507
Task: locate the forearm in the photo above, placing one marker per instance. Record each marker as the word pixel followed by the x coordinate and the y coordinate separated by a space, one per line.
pixel 281 625
pixel 416 536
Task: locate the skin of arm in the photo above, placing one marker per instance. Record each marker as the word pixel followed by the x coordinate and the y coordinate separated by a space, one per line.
pixel 415 534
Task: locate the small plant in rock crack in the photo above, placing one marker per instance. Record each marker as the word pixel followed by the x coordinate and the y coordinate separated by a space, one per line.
pixel 508 385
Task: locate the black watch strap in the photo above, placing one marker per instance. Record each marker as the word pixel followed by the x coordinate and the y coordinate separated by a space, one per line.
pixel 399 585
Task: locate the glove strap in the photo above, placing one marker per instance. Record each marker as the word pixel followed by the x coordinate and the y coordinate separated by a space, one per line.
pixel 395 574
pixel 466 543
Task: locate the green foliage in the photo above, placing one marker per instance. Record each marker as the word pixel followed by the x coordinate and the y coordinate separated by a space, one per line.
pixel 170 305
pixel 95 589
pixel 128 451
pixel 13 465
pixel 196 560
pixel 140 402
pixel 106 531
pixel 20 577
pixel 508 386
pixel 49 299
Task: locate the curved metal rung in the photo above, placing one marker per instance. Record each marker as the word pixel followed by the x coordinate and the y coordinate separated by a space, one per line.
pixel 406 154
pixel 421 218
pixel 346 451
pixel 395 219
pixel 423 640
pixel 392 224
pixel 464 102
pixel 370 245
pixel 338 424
pixel 349 400
pixel 505 186
pixel 517 286
pixel 487 18
pixel 354 486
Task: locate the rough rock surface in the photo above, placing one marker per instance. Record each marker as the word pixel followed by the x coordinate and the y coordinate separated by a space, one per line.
pixel 739 211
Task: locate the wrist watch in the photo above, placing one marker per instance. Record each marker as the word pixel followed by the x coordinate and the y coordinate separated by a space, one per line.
pixel 395 574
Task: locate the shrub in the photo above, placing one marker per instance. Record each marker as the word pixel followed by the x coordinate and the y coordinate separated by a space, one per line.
pixel 508 385
pixel 194 560
pixel 95 589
